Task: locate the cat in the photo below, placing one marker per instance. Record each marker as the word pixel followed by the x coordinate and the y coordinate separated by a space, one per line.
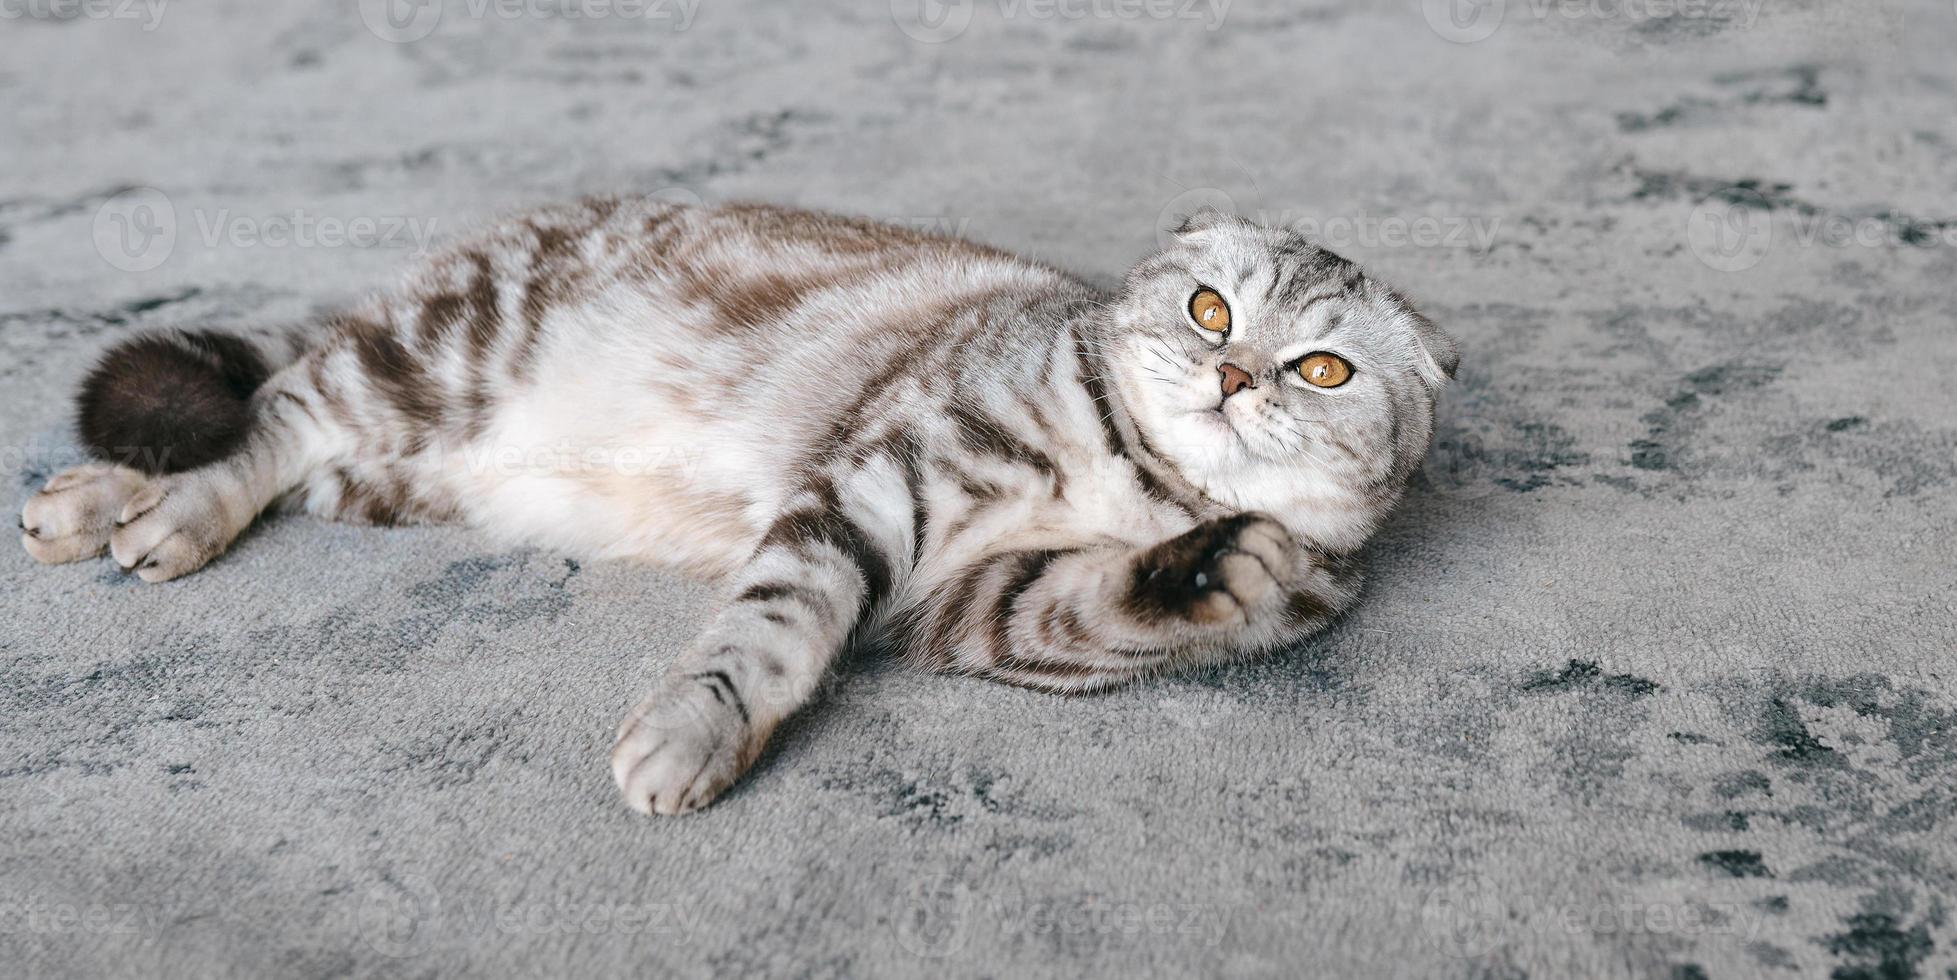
pixel 857 429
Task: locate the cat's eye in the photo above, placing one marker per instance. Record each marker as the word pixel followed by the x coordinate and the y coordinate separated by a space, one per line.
pixel 1210 311
pixel 1324 370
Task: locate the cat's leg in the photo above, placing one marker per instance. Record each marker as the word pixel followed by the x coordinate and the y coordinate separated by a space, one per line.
pixel 814 576
pixel 179 522
pixel 1080 619
pixel 161 526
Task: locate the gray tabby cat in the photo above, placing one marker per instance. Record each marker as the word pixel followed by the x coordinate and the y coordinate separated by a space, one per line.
pixel 858 429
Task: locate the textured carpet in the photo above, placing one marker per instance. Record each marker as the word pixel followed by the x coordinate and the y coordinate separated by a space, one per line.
pixel 1655 672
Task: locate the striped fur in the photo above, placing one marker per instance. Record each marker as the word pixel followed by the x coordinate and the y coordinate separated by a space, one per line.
pixel 860 430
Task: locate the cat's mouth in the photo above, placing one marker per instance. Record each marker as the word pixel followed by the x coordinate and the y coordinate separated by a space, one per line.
pixel 1215 416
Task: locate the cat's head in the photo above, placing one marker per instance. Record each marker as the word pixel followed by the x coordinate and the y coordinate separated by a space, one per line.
pixel 1276 375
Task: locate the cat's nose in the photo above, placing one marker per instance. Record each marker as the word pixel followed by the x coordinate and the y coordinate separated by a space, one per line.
pixel 1235 379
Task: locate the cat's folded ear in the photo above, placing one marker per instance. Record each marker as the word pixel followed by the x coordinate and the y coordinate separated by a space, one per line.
pixel 1205 218
pixel 1439 353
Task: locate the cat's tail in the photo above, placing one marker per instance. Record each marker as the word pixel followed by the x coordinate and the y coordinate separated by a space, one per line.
pixel 177 399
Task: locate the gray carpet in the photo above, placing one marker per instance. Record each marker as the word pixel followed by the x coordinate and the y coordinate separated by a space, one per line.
pixel 1654 676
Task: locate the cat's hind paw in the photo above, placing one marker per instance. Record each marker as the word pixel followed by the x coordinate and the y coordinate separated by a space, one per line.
pixel 74 514
pixel 173 526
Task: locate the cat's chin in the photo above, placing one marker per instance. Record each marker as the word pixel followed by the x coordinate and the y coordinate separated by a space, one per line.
pixel 1204 445
pixel 1228 443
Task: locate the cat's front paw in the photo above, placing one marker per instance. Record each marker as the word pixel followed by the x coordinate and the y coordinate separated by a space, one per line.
pixel 684 745
pixel 1224 569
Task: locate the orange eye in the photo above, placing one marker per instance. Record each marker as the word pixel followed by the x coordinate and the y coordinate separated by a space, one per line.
pixel 1209 311
pixel 1325 370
